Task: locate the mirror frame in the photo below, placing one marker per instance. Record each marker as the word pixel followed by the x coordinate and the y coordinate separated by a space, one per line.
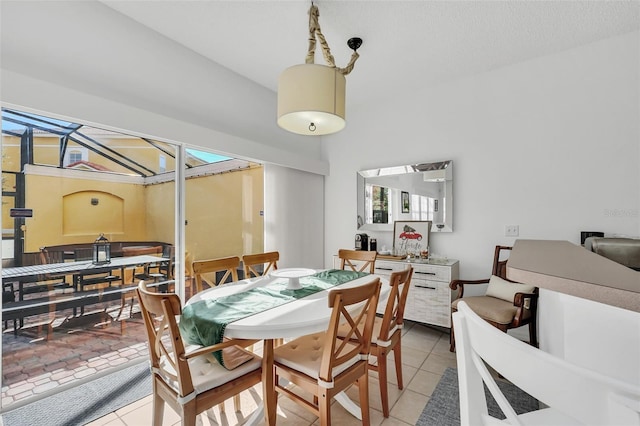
pixel 441 171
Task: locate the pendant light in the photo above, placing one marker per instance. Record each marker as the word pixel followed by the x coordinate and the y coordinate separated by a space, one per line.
pixel 311 97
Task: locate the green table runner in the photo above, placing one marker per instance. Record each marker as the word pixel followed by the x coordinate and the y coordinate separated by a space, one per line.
pixel 203 322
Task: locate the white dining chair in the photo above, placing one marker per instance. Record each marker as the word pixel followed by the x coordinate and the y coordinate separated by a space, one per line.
pixel 571 395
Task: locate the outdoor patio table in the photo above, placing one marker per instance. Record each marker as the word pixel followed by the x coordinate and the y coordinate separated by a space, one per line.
pixel 34 273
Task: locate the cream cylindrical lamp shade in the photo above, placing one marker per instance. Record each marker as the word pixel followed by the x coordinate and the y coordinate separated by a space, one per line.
pixel 311 99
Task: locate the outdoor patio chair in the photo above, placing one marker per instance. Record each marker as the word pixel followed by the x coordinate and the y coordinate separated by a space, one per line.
pixel 150 272
pixel 102 279
pixel 147 271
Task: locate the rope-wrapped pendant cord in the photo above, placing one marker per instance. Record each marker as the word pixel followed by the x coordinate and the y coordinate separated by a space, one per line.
pixel 314 31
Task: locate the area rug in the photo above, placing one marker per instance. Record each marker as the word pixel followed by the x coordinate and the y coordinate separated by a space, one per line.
pixel 87 402
pixel 443 408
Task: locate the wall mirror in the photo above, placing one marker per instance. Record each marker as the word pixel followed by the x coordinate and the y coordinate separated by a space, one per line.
pixel 422 191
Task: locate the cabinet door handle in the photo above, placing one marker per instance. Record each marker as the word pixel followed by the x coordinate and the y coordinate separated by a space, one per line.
pixel 426 273
pixel 426 286
pixel 385 269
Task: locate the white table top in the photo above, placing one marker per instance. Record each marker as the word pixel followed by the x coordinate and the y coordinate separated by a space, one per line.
pixel 310 314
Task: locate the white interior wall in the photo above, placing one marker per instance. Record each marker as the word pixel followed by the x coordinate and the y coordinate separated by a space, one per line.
pixel 551 145
pixel 294 209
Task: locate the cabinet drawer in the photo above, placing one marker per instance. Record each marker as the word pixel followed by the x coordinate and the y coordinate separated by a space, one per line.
pixel 386 268
pixel 431 272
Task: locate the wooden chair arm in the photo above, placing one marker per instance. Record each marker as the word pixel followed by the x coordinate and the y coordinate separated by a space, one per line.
pixel 520 298
pixel 459 285
pixel 243 343
pixel 524 301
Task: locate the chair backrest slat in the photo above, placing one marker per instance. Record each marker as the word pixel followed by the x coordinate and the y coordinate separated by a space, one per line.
pixel 368 259
pixel 338 351
pixel 400 282
pixel 227 264
pixel 251 260
pixel 499 263
pixel 159 311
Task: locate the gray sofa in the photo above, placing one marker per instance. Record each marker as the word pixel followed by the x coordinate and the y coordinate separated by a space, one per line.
pixel 625 251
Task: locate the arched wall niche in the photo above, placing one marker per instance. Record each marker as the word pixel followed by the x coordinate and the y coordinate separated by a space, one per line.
pixel 92 213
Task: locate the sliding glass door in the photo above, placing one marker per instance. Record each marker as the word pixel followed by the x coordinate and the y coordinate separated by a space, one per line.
pixel 68 315
pixel 224 204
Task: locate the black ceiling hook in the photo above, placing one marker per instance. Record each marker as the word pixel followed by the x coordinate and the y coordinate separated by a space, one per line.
pixel 354 43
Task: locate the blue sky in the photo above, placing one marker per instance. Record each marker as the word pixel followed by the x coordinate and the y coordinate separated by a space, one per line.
pixel 207 156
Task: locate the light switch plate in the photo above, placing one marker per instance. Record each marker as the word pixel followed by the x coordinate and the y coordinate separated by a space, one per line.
pixel 511 230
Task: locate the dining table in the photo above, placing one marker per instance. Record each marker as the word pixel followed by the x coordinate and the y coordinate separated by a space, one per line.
pixel 296 316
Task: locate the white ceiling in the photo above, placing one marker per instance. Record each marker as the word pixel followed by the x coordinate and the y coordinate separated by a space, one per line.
pixel 406 43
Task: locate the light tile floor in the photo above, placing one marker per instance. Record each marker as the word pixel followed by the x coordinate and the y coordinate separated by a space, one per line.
pixel 425 356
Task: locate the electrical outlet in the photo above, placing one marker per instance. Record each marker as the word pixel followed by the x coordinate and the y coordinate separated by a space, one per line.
pixel 511 230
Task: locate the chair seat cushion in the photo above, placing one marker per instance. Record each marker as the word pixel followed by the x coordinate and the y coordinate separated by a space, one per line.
pixel 304 354
pixel 206 372
pixel 506 290
pixel 491 308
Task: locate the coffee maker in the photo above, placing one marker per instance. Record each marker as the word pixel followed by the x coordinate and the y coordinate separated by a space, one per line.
pixel 362 242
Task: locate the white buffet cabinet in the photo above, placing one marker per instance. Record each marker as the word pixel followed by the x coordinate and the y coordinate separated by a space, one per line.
pixel 430 297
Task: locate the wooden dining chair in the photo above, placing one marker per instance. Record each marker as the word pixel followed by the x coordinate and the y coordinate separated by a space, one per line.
pixel 250 261
pixel 324 365
pixel 205 270
pixel 362 259
pixel 189 379
pixel 387 333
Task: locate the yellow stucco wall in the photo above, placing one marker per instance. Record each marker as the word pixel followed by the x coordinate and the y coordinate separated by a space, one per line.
pixel 222 212
pixel 160 212
pixel 46 195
